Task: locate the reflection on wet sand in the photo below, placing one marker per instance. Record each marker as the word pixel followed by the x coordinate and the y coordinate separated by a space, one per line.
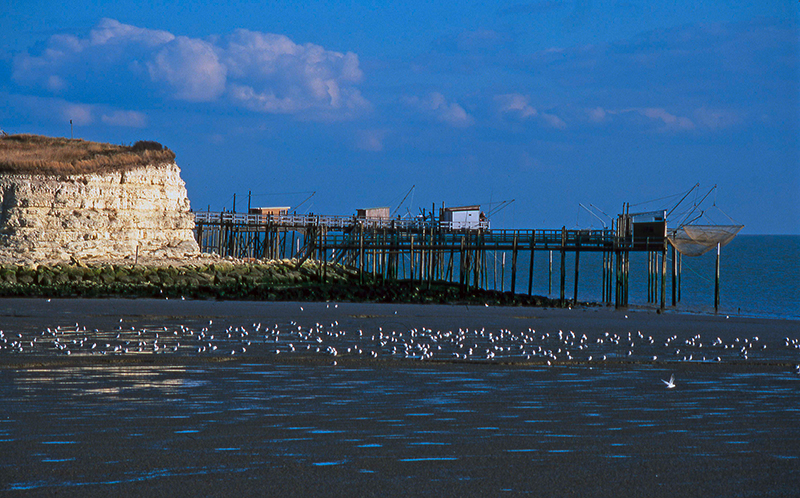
pixel 73 429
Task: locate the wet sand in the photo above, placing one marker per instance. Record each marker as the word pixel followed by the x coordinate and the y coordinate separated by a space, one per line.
pixel 275 425
pixel 33 314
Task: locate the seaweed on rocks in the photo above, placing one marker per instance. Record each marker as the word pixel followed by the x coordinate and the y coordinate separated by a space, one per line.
pixel 269 281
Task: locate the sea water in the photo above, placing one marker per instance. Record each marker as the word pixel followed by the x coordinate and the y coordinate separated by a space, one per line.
pixel 304 429
pixel 759 276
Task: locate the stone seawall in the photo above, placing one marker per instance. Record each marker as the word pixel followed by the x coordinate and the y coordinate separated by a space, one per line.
pixel 45 218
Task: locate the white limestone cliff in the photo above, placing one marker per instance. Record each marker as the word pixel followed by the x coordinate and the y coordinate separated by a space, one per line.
pixel 109 215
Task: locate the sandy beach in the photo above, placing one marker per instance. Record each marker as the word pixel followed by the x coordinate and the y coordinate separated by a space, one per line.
pixel 261 423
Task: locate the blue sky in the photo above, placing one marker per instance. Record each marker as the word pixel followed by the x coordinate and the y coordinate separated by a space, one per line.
pixel 550 103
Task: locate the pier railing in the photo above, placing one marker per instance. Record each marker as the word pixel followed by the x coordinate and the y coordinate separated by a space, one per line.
pixel 333 222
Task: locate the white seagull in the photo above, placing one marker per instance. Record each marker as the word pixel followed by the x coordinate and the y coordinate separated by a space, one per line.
pixel 670 383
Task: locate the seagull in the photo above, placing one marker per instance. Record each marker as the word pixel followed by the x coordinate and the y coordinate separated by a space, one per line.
pixel 670 383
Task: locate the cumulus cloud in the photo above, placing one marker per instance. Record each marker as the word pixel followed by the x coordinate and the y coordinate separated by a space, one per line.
pixel 553 121
pixel 271 73
pixel 670 120
pixel 78 114
pixel 68 59
pixel 371 140
pixel 131 119
pixel 717 119
pixel 64 111
pixel 191 68
pixel 515 103
pixel 703 119
pixel 660 117
pixel 597 115
pixel 260 72
pixel 435 105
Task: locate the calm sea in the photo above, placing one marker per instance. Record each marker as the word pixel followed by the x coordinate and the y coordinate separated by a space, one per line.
pixel 759 275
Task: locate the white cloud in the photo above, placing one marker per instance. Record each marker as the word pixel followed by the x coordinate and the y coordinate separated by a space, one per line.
pixel 131 119
pixel 436 106
pixel 68 58
pixel 191 67
pixel 371 140
pixel 271 73
pixel 553 121
pixel 670 120
pixel 704 118
pixel 47 108
pixel 261 72
pixel 110 31
pixel 717 119
pixel 666 121
pixel 78 114
pixel 598 114
pixel 515 103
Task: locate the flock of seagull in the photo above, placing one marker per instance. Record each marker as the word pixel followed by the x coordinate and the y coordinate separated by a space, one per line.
pixel 418 343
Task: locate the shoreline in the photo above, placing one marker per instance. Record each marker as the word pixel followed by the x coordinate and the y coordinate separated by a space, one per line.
pixel 271 281
pixel 142 319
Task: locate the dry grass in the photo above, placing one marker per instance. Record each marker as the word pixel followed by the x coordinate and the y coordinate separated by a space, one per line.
pixel 40 155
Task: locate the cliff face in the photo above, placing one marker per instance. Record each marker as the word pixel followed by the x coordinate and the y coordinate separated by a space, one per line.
pixel 104 215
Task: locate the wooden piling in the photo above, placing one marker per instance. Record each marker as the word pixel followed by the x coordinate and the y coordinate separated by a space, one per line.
pixel 674 278
pixel 577 259
pixel 664 275
pixel 361 252
pixel 562 296
pixel 530 267
pixel 716 280
pixel 514 265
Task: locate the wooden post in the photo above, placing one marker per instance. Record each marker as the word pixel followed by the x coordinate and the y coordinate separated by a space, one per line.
pixel 562 296
pixel 468 261
pixel 609 273
pixel 503 273
pixel 674 278
pixel 494 269
pixel 422 251
pixel 411 259
pixel 361 252
pixel 577 259
pixel 530 268
pixel 461 264
pixel 550 276
pixel 716 281
pixel 649 276
pixel 603 279
pixel 449 274
pixel 664 275
pixel 324 256
pixel 514 265
pixel 680 272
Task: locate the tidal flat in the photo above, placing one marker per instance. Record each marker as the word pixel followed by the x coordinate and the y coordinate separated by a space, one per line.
pixel 385 408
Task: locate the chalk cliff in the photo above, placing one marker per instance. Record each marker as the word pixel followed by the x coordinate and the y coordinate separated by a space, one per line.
pixel 107 215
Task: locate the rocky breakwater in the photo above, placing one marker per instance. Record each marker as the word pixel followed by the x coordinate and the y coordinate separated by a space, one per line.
pixel 72 199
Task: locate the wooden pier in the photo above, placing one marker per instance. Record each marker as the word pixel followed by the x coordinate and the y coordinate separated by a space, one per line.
pixel 426 249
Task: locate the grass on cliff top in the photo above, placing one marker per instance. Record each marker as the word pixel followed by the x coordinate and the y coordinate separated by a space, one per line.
pixel 40 155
